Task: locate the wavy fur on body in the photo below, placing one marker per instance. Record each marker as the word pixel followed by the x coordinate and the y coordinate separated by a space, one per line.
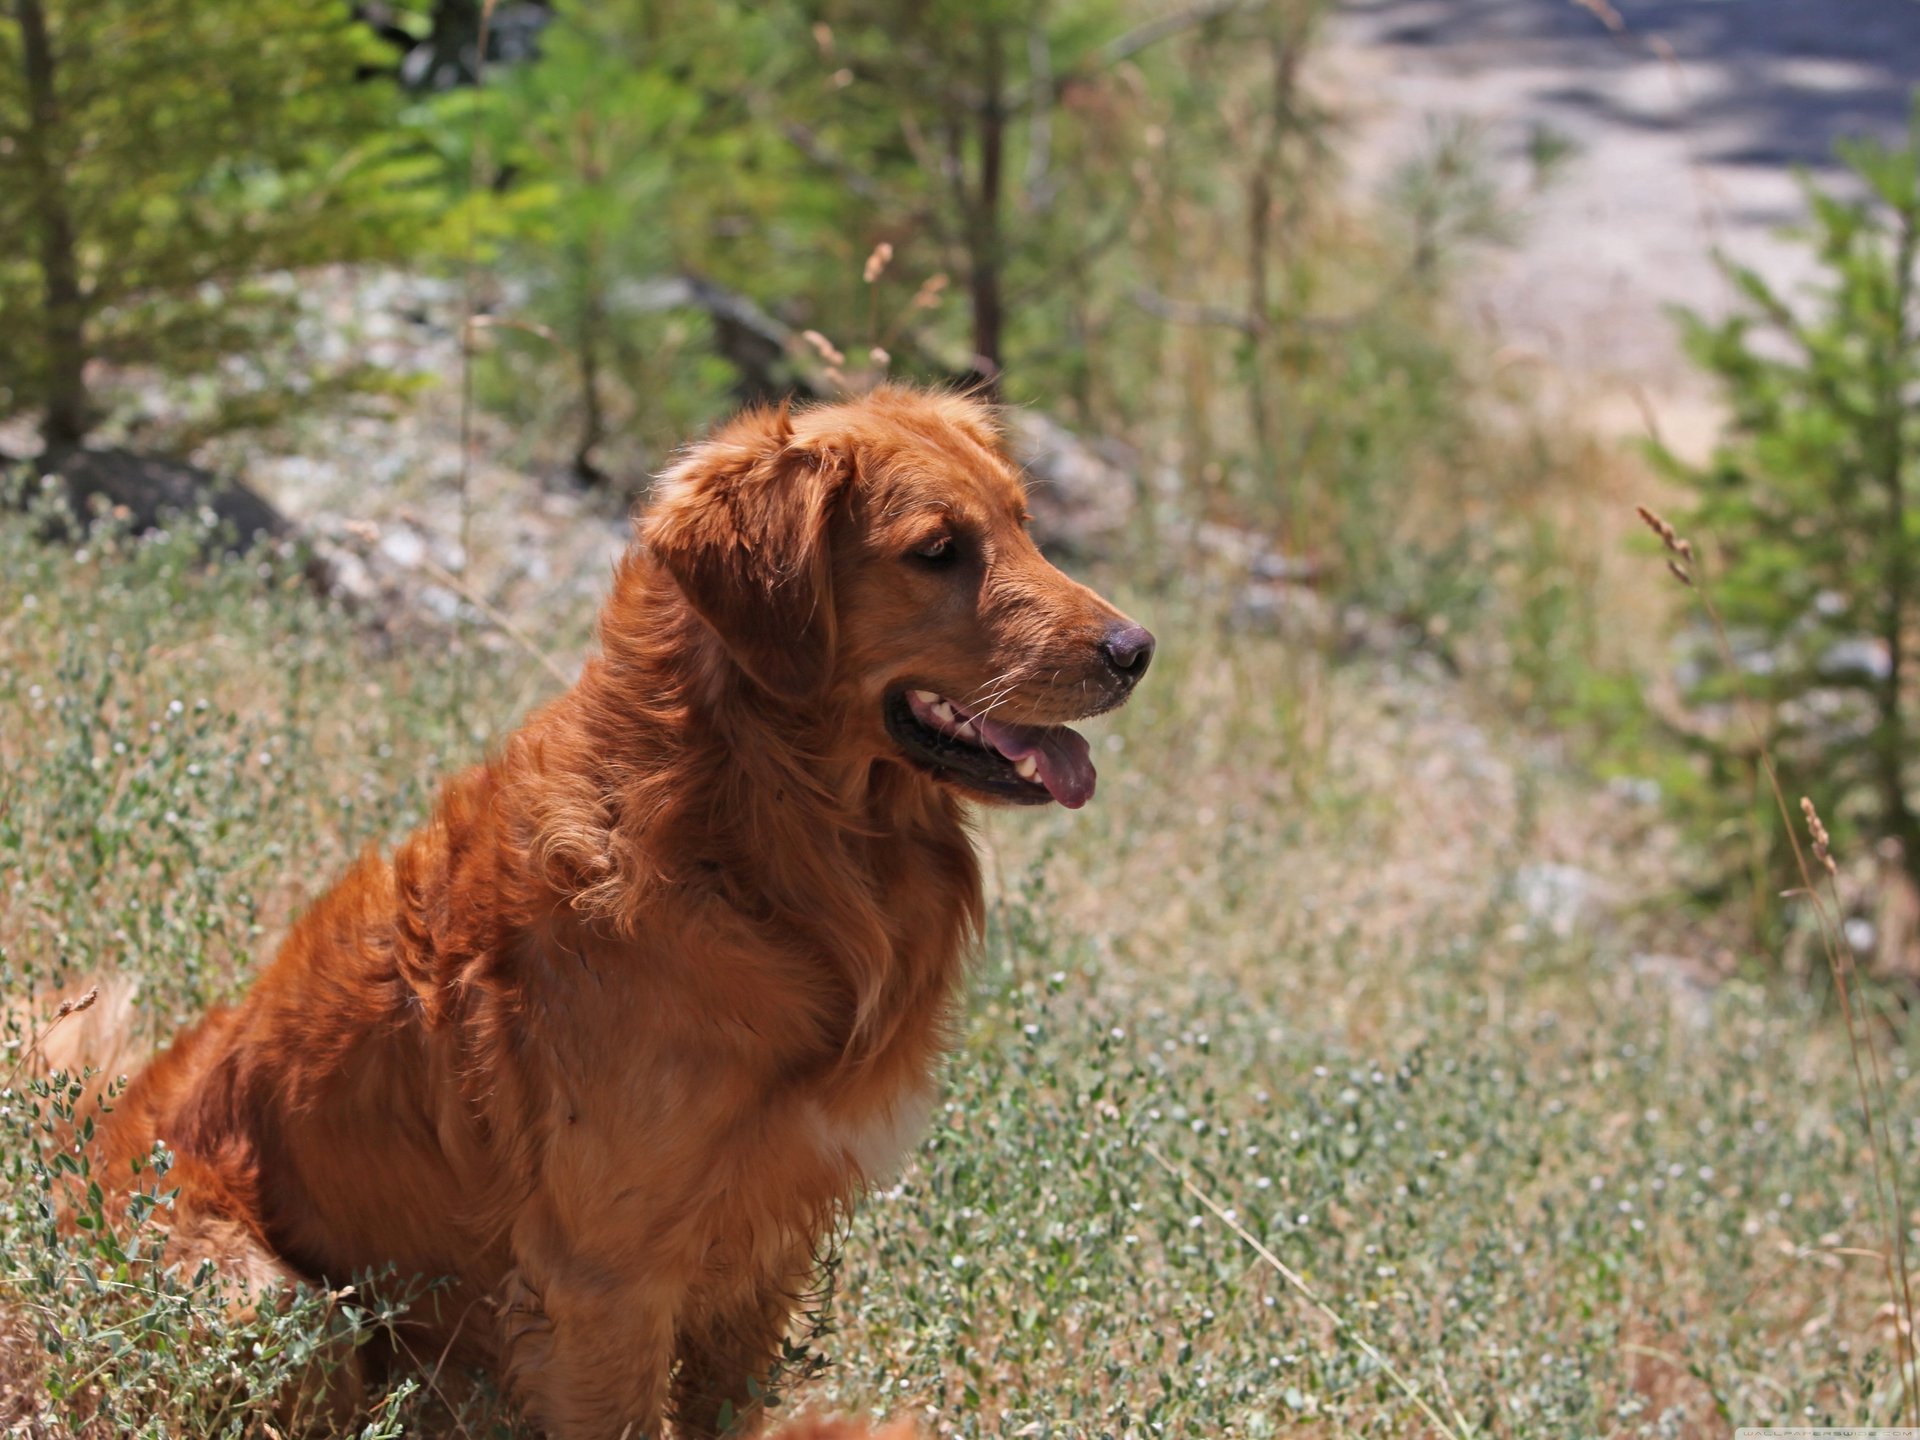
pixel 616 1035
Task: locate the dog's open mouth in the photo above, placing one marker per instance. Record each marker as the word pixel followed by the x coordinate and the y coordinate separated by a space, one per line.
pixel 1027 764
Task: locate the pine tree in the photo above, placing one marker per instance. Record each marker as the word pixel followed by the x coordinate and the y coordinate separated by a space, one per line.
pixel 996 136
pixel 626 159
pixel 158 155
pixel 1813 501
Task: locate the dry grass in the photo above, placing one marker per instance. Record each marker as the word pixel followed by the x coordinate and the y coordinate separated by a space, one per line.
pixel 1298 946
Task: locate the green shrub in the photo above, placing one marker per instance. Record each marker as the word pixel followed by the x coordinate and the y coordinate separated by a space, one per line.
pixel 626 155
pixel 1810 512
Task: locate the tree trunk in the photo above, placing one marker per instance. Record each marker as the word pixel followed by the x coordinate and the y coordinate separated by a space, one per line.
pixel 1890 736
pixel 983 227
pixel 63 315
pixel 1270 176
pixel 590 336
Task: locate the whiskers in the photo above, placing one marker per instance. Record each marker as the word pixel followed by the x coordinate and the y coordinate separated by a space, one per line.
pixel 985 699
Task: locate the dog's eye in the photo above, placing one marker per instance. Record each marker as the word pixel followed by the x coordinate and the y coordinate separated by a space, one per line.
pixel 938 551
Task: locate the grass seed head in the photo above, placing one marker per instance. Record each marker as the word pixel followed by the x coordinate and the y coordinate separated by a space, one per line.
pixel 1822 842
pixel 928 295
pixel 1677 546
pixel 824 347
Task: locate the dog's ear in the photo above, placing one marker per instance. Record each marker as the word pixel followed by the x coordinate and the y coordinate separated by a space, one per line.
pixel 741 524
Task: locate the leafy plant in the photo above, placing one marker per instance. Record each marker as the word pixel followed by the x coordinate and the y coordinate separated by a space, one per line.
pixel 602 178
pixel 160 160
pixel 1813 499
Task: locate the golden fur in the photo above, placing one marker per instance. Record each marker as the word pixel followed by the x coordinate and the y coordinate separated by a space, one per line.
pixel 613 1038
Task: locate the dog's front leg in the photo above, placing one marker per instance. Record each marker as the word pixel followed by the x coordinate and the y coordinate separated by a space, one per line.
pixel 727 1352
pixel 588 1355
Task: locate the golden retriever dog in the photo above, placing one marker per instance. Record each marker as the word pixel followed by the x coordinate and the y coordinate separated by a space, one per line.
pixel 613 1039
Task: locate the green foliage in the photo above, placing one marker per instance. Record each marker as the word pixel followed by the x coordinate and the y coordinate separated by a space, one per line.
pixel 768 149
pixel 994 143
pixel 627 155
pixel 1808 513
pixel 160 162
pixel 150 817
pixel 129 1342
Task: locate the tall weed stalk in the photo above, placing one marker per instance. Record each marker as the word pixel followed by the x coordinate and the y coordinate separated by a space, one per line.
pixel 1855 1005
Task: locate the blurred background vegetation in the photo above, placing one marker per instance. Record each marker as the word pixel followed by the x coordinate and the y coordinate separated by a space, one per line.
pixel 1437 905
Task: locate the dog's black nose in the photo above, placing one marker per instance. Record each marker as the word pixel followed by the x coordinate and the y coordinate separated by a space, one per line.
pixel 1129 650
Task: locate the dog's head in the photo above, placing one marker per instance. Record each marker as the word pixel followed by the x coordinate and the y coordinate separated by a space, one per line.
pixel 872 559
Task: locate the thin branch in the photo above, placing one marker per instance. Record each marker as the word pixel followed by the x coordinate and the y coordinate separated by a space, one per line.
pixel 469 288
pixel 506 627
pixel 1194 313
pixel 1039 183
pixel 1189 312
pixel 1125 47
pixel 1146 36
pixel 1682 562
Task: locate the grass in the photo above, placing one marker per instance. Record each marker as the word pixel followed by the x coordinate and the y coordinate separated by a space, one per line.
pixel 1553 1181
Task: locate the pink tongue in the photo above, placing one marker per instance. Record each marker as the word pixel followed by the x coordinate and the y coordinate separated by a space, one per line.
pixel 1061 756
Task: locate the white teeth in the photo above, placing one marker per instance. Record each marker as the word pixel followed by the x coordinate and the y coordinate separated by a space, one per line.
pixel 966 731
pixel 1027 768
pixel 926 697
pixel 943 712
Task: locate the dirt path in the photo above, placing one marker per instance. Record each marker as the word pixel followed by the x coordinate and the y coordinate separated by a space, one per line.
pixel 1684 120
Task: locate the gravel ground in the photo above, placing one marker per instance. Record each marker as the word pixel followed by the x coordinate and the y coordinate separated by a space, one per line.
pixel 1686 120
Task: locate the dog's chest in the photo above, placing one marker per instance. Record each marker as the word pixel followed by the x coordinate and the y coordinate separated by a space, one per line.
pixel 873 1138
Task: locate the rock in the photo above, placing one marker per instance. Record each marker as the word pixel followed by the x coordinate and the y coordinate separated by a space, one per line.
pixel 143 491
pixel 1082 495
pixel 1689 986
pixel 1562 900
pixel 1862 658
pixel 404 547
pixel 1292 611
pixel 1635 789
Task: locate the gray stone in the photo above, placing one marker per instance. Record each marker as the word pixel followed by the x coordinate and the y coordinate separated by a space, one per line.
pixel 1082 495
